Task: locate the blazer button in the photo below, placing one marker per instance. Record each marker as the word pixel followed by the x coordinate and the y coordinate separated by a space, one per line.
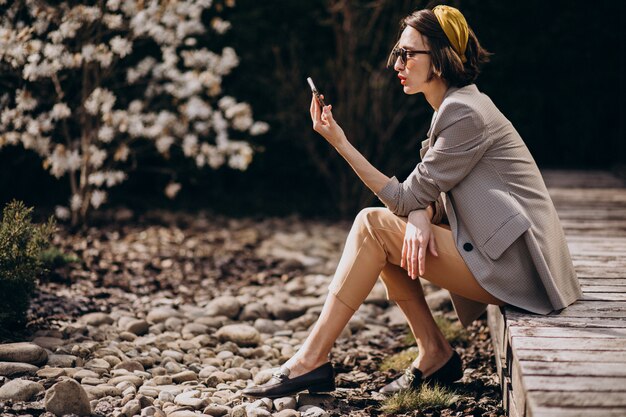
pixel 468 247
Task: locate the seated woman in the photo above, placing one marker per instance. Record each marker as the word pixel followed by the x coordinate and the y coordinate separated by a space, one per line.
pixel 504 243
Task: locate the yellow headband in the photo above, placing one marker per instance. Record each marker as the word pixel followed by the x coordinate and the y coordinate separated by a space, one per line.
pixel 455 27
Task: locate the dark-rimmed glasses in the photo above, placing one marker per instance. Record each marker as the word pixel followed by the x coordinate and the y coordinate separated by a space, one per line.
pixel 404 54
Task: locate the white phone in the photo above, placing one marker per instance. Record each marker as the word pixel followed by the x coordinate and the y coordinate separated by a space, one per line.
pixel 317 93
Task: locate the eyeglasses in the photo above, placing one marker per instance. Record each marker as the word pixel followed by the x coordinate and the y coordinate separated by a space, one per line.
pixel 404 54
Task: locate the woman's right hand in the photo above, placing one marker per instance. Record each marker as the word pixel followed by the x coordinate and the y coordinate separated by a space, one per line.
pixel 325 124
pixel 418 238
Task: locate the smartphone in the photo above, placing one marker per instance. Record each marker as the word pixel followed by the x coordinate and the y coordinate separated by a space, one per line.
pixel 314 90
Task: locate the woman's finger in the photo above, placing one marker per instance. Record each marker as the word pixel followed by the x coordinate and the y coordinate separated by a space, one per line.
pixel 421 256
pixel 433 245
pixel 404 252
pixel 414 248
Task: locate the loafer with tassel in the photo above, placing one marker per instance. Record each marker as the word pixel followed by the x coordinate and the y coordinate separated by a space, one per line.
pixel 320 379
pixel 450 372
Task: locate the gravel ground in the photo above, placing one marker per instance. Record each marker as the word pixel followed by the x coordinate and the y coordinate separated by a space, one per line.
pixel 172 314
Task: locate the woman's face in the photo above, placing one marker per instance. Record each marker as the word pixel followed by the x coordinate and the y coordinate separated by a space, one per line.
pixel 414 74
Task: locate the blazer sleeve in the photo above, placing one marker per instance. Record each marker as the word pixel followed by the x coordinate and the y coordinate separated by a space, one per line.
pixel 458 147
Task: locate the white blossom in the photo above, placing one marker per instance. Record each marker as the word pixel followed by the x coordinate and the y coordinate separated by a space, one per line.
pixel 121 46
pixel 219 25
pixel 113 21
pixel 76 202
pixel 100 100
pixel 259 128
pixel 60 111
pixel 25 101
pixel 62 212
pixel 164 143
pixel 190 145
pixel 97 156
pixel 172 189
pixel 195 108
pixel 98 197
pixel 121 154
pixel 106 134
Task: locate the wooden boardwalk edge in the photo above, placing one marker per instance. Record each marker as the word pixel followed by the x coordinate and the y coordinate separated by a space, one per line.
pixel 573 363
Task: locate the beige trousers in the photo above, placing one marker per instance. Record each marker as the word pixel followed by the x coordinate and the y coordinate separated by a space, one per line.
pixel 374 248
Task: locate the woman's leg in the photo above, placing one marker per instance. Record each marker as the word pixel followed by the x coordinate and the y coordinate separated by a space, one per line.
pixel 374 241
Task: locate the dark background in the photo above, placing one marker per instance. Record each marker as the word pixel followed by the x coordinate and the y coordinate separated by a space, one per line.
pixel 557 73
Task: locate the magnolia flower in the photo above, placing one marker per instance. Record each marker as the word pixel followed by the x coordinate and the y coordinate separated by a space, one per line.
pixel 172 189
pixel 62 212
pixel 97 198
pixel 60 111
pixel 164 143
pixel 96 156
pixel 76 202
pixel 259 128
pixel 121 46
pixel 219 25
pixel 106 134
pixel 100 100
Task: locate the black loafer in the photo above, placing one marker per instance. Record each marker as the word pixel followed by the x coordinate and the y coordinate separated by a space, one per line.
pixel 320 379
pixel 412 378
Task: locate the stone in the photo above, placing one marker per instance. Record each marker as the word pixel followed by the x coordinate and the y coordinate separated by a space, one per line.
pixel 439 300
pixel 85 373
pixel 50 343
pixel 20 390
pixel 318 400
pixel 394 316
pixel 12 369
pixel 96 319
pixel 266 326
pixel 67 397
pixel 217 410
pixel 137 326
pixel 194 329
pixel 287 413
pixel 284 311
pixel 241 334
pixel 225 305
pixel 160 314
pixel 98 364
pixel 162 380
pixel 182 413
pixel 253 311
pixel 50 373
pixel 258 412
pixel 312 411
pixel 130 366
pixel 184 376
pixel 166 396
pixel 263 376
pixel 23 352
pixel 284 403
pixel 131 408
pixel 102 390
pixel 132 379
pixel 62 361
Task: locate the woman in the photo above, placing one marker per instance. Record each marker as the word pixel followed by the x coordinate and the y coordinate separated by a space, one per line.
pixel 504 243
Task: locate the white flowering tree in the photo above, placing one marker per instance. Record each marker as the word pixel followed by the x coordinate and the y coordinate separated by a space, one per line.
pixel 88 86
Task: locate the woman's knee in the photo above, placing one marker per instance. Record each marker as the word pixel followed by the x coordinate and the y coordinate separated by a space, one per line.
pixel 371 215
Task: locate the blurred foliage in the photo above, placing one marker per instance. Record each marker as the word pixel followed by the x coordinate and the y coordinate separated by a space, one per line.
pixel 21 245
pixel 452 330
pixel 400 361
pixel 556 73
pixel 52 258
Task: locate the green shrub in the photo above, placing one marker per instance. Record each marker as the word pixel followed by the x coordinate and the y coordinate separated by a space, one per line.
pixel 400 360
pixel 21 244
pixel 427 397
pixel 54 257
pixel 451 329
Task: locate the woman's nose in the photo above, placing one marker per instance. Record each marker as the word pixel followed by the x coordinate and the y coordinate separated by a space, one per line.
pixel 398 65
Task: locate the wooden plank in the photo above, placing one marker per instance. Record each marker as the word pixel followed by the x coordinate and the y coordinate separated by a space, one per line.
pixel 576 412
pixel 612 282
pixel 532 320
pixel 604 296
pixel 575 383
pixel 566 343
pixel 567 332
pixel 612 369
pixel 576 399
pixel 559 355
pixel 597 309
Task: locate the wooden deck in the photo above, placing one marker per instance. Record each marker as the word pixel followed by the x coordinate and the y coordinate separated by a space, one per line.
pixel 573 363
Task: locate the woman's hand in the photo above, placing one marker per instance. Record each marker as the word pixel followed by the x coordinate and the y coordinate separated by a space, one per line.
pixel 418 238
pixel 325 125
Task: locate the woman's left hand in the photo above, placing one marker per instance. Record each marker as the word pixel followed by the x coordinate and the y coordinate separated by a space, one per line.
pixel 418 238
pixel 324 123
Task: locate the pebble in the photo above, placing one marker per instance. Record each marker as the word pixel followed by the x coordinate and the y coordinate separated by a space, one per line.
pixel 285 403
pixel 23 352
pixel 101 390
pixel 184 376
pixel 138 327
pixel 62 361
pixel 225 305
pixel 67 397
pixel 287 413
pixel 241 334
pixel 312 411
pixel 12 369
pixel 51 373
pixel 160 314
pixel 217 410
pixel 20 390
pixel 96 319
pixel 130 366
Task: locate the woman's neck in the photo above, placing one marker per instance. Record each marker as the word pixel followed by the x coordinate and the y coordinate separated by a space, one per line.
pixel 434 95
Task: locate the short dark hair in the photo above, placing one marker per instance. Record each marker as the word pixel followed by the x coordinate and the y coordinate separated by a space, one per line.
pixel 445 62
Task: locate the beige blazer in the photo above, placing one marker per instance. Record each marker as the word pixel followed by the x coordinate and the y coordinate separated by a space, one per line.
pixel 502 218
